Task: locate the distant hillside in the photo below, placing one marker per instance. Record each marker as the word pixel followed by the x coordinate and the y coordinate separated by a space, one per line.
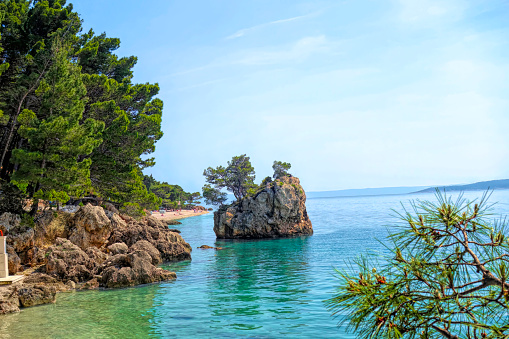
pixel 364 192
pixel 478 186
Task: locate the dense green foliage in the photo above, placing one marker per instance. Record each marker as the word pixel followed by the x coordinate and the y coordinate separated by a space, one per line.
pixel 447 276
pixel 281 169
pixel 238 177
pixel 171 195
pixel 214 196
pixel 71 121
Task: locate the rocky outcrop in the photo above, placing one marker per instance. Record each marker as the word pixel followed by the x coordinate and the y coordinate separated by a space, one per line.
pixel 89 249
pixel 170 244
pixel 9 221
pixel 9 301
pixel 132 269
pixel 37 294
pixel 90 227
pixel 277 210
pixel 13 260
pixel 118 248
pixel 67 261
pixel 144 245
pixel 35 289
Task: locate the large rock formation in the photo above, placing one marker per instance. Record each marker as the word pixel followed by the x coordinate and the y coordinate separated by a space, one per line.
pixel 91 248
pixel 278 210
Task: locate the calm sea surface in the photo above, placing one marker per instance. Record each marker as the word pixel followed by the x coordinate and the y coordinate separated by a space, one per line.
pixel 252 289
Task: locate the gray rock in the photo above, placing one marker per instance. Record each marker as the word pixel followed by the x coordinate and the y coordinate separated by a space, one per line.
pixel 132 269
pixel 67 261
pixel 278 210
pixel 170 244
pixel 9 221
pixel 144 245
pixel 90 227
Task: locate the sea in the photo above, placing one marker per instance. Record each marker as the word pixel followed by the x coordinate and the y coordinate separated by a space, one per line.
pixel 249 289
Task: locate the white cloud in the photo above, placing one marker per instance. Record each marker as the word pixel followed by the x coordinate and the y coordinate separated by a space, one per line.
pixel 423 10
pixel 298 51
pixel 242 32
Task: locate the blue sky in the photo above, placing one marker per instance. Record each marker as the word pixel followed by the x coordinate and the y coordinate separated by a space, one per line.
pixel 353 94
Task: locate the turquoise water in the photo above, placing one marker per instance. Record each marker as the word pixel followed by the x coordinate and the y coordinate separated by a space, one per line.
pixel 251 289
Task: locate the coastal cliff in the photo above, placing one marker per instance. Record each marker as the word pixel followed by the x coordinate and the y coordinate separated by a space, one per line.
pixel 278 210
pixel 89 248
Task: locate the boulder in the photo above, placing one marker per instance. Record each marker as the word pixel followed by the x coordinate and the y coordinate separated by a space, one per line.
pixel 118 248
pixel 132 269
pixel 47 280
pixel 171 245
pixel 117 221
pixel 172 222
pixel 144 245
pixel 92 284
pixel 277 210
pixel 9 221
pixel 21 241
pixel 9 301
pixel 67 261
pixel 90 227
pixel 51 225
pixel 36 294
pixel 205 247
pixel 96 255
pixel 108 206
pixel 13 260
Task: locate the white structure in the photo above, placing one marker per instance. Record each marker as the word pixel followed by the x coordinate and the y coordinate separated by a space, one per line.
pixel 4 268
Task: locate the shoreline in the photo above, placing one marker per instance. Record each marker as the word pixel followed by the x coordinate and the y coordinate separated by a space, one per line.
pixel 177 215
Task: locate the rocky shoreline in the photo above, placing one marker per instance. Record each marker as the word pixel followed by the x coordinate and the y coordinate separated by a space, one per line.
pixel 94 247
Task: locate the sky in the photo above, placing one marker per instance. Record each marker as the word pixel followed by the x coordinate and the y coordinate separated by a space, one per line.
pixel 354 94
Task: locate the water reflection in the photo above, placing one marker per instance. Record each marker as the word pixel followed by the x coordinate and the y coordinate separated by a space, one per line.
pixel 258 279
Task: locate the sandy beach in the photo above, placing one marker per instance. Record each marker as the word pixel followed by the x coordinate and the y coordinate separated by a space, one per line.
pixel 177 215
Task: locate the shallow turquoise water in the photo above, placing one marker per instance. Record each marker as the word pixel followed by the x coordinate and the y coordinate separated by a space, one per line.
pixel 252 289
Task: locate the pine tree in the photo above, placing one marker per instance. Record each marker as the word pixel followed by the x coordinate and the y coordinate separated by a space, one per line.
pixel 28 30
pixel 51 163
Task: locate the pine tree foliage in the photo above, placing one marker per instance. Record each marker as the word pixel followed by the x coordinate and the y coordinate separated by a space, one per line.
pixel 281 169
pixel 56 137
pixel 171 195
pixel 71 121
pixel 447 277
pixel 238 177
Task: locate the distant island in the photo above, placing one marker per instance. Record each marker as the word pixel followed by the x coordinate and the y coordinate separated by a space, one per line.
pixel 478 186
pixel 365 192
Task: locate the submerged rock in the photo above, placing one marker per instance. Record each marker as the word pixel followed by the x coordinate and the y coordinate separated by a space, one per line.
pixel 206 247
pixel 278 210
